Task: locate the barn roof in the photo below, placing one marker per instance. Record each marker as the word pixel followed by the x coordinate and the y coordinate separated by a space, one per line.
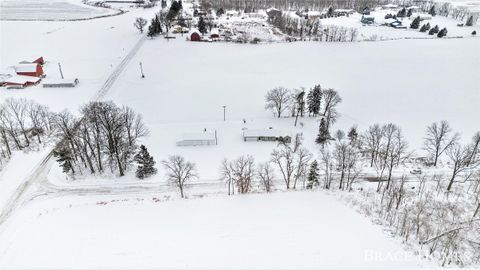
pixel 26 68
pixel 21 79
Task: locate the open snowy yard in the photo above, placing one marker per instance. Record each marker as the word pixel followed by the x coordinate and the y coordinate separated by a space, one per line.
pixel 50 10
pixel 282 230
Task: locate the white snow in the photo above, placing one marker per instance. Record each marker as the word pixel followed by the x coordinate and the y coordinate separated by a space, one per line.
pixel 281 231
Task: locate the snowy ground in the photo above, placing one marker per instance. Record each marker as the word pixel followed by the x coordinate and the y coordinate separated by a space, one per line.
pixel 409 82
pixel 283 230
pixel 50 10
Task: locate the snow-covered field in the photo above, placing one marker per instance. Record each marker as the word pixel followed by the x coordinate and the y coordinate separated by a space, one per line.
pixel 411 83
pixel 50 10
pixel 283 230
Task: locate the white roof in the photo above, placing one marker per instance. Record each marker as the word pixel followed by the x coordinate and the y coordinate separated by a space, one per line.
pixel 214 31
pixel 343 10
pixel 21 79
pixel 390 6
pixel 413 7
pixel 314 13
pixel 26 68
pixel 263 133
pixel 59 81
pixel 200 136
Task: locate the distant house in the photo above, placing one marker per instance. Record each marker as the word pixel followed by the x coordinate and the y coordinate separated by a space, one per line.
pixel 60 83
pixel 367 19
pixel 198 139
pixel 214 34
pixel 397 25
pixel 273 13
pixel 422 16
pixel 366 11
pixel 266 135
pixel 343 12
pixel 20 81
pixel 389 6
pixel 195 37
pixel 33 69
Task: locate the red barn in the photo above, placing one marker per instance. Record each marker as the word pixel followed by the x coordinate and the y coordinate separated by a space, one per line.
pixel 34 70
pixel 23 81
pixel 39 61
pixel 195 37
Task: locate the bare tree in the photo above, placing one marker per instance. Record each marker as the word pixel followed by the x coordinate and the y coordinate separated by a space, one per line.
pixel 239 172
pixel 463 161
pixel 179 171
pixel 438 140
pixel 266 174
pixel 371 140
pixel 331 99
pixel 140 23
pixel 277 100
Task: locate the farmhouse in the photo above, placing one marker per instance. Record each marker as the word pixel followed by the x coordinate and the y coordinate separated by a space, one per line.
pixel 33 69
pixel 368 19
pixel 343 12
pixel 197 139
pixel 266 135
pixel 60 83
pixel 214 34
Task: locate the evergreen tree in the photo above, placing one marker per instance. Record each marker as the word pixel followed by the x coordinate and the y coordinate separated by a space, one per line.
pixel 416 23
pixel 402 13
pixel 474 33
pixel 434 30
pixel 202 26
pixel 442 33
pixel 64 158
pixel 314 99
pixel 352 135
pixel 432 11
pixel 146 164
pixel 409 12
pixel 323 133
pixel 423 28
pixel 330 12
pixel 469 21
pixel 220 12
pixel 313 175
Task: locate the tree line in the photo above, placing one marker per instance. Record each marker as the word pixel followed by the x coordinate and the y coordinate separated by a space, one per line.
pixel 24 125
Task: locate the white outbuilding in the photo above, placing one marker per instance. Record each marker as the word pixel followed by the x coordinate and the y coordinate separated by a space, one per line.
pixel 266 135
pixel 197 139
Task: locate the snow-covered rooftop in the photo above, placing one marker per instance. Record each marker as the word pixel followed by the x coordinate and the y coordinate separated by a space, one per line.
pixel 200 136
pixel 26 67
pixel 264 133
pixel 21 79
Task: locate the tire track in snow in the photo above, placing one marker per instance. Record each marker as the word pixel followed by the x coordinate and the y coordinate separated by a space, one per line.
pixel 41 170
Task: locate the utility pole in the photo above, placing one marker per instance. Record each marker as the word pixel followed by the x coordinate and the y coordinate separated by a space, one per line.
pixel 141 70
pixel 224 107
pixel 60 68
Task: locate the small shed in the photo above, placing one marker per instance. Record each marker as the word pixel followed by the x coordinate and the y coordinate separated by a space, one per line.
pixel 33 69
pixel 61 83
pixel 198 139
pixel 267 135
pixel 195 37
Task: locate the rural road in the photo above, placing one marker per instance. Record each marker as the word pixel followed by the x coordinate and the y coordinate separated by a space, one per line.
pixel 41 170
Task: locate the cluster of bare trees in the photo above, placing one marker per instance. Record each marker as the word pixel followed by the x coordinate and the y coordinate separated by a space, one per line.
pixel 102 139
pixel 289 161
pixel 317 102
pixel 306 29
pixel 253 5
pixel 23 124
